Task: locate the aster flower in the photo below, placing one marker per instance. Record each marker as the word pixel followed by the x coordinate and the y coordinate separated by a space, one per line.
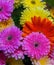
pixel 6 24
pixel 38 24
pixel 6 8
pixel 10 39
pixel 34 12
pixel 2 59
pixel 33 3
pixel 36 45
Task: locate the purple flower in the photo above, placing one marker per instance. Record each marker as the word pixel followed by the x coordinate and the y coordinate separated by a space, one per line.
pixel 18 54
pixel 2 59
pixel 51 54
pixel 10 39
pixel 36 45
pixel 51 62
pixel 6 8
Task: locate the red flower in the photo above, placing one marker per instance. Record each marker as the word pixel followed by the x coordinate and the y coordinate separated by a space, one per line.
pixel 37 24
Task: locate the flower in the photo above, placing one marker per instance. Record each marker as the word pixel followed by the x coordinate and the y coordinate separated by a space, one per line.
pixel 51 54
pixel 38 24
pixel 33 3
pixel 51 62
pixel 36 45
pixel 16 3
pixel 43 61
pixel 52 12
pixel 12 61
pixel 6 8
pixel 2 59
pixel 6 24
pixel 10 39
pixel 34 12
pixel 18 54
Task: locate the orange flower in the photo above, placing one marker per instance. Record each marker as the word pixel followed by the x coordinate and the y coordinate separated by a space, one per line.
pixel 6 23
pixel 44 26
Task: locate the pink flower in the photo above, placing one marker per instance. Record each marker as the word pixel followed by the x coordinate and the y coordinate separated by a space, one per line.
pixel 51 62
pixel 6 8
pixel 51 54
pixel 10 39
pixel 2 59
pixel 18 54
pixel 36 45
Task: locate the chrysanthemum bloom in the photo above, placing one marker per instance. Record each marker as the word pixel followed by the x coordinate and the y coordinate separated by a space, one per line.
pixel 6 8
pixel 37 24
pixel 6 24
pixel 33 3
pixel 43 61
pixel 36 45
pixel 10 39
pixel 34 12
pixel 2 59
pixel 12 61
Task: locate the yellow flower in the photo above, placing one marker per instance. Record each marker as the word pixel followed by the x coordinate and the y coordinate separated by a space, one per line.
pixel 5 24
pixel 17 3
pixel 33 3
pixel 12 61
pixel 28 13
pixel 42 61
pixel 52 12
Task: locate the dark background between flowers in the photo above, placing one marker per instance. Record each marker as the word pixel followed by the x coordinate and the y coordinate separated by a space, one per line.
pixel 16 18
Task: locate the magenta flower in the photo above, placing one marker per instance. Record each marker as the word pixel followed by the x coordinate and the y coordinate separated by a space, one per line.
pixel 51 55
pixel 10 39
pixel 6 8
pixel 2 59
pixel 51 62
pixel 36 45
pixel 18 54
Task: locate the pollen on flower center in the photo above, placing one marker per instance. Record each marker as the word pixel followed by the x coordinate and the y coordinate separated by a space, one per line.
pixel 33 2
pixel 9 37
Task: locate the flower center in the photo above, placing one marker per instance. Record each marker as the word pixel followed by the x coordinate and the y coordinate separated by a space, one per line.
pixel 0 8
pixel 10 37
pixel 36 44
pixel 33 2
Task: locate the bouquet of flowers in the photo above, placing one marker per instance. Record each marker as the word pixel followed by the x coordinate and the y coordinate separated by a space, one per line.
pixel 26 32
